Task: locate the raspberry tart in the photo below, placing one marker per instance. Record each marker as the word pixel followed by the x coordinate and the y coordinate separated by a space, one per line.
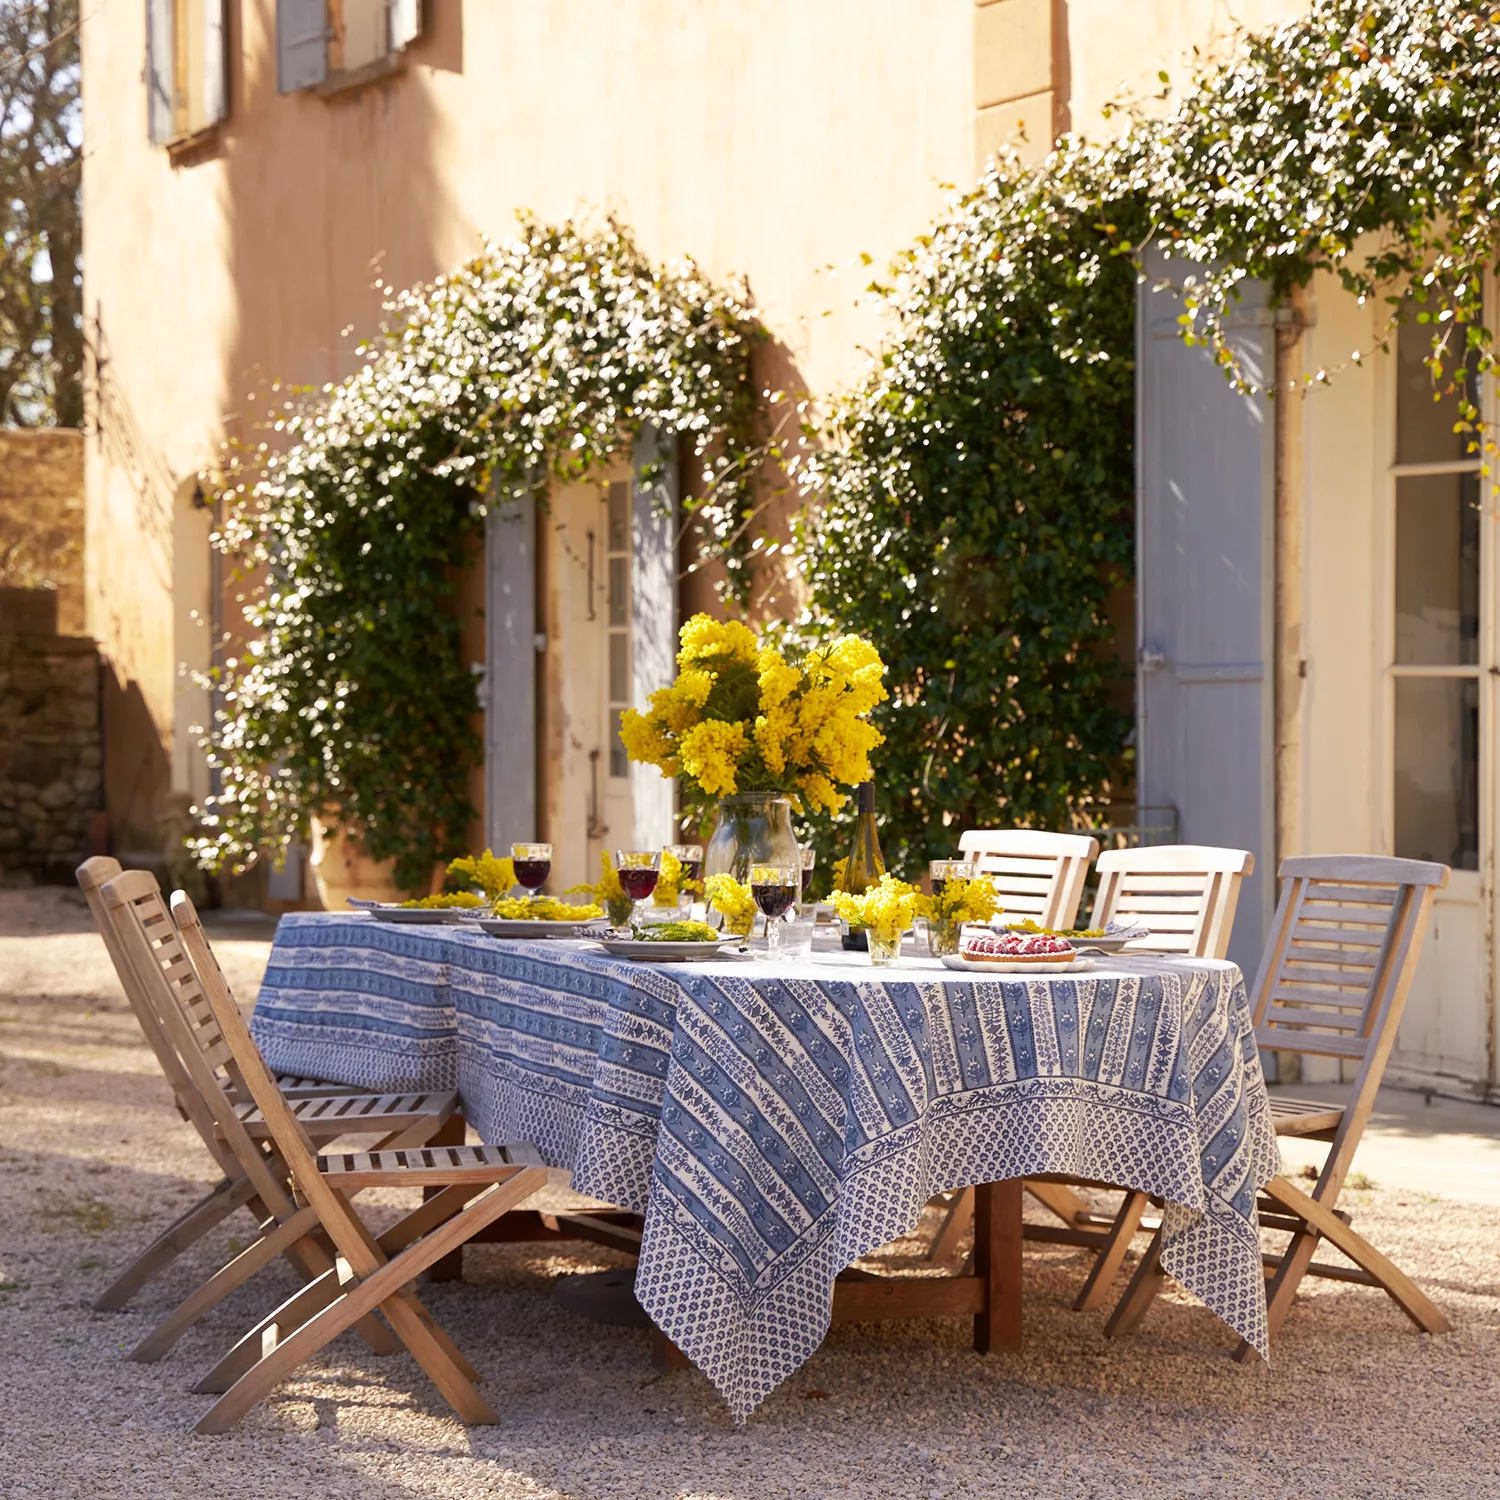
pixel 1014 948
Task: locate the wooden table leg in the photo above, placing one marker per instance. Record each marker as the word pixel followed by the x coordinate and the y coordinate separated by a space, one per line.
pixel 665 1355
pixel 997 1259
pixel 451 1266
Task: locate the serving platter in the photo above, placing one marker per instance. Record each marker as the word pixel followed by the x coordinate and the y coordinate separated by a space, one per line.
pixel 533 927
pixel 675 953
pixel 1111 942
pixel 384 911
pixel 1074 965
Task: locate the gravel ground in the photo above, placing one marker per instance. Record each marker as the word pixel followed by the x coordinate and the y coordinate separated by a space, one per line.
pixel 91 1158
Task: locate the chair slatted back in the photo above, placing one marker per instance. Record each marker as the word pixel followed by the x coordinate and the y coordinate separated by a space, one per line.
pixel 1036 874
pixel 1345 941
pixel 291 1141
pixel 1185 893
pixel 152 946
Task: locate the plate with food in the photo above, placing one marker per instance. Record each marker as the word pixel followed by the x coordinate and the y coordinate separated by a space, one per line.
pixel 1016 953
pixel 536 917
pixel 1107 939
pixel 669 942
pixel 429 910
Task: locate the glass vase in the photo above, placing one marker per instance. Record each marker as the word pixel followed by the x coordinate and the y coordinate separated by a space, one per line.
pixel 751 828
pixel 882 951
pixel 943 935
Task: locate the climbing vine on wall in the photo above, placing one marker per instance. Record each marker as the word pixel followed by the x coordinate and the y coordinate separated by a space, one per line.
pixel 974 504
pixel 538 360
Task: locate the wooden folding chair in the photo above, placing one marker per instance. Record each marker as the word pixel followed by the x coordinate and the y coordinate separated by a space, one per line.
pixel 475 1186
pixel 1038 875
pixel 169 1003
pixel 1185 893
pixel 1333 982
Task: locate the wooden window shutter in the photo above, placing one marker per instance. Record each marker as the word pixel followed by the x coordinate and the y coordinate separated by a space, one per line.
pixel 215 61
pixel 406 22
pixel 301 44
pixel 161 88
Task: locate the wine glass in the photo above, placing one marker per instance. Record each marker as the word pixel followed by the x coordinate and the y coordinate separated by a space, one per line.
pixel 690 857
pixel 775 888
pixel 533 864
pixel 638 870
pixel 944 870
pixel 809 860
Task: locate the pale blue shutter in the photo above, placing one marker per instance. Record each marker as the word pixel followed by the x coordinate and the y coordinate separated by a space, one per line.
pixel 161 122
pixel 405 22
pixel 301 44
pixel 215 61
pixel 653 622
pixel 1205 467
pixel 509 694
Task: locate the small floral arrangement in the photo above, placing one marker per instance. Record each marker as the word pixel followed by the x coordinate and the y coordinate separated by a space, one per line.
pixel 742 717
pixel 961 901
pixel 607 892
pixel 669 881
pixel 885 910
pixel 545 909
pixel 494 876
pixel 733 902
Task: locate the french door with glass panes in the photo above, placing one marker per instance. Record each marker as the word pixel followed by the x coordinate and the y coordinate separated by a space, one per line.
pixel 1441 664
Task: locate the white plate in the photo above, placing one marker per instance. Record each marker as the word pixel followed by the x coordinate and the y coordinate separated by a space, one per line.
pixel 674 953
pixel 382 912
pixel 534 927
pixel 1002 966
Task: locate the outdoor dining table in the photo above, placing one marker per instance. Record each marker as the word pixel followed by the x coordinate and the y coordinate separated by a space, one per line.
pixel 774 1121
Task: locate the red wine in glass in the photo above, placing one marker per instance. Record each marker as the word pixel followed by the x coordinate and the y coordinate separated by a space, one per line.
pixel 692 869
pixel 774 900
pixel 532 873
pixel 807 876
pixel 637 883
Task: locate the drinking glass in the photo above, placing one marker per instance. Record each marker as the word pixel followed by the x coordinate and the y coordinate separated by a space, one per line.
pixel 690 857
pixel 809 859
pixel 533 864
pixel 944 870
pixel 794 937
pixel 638 870
pixel 775 887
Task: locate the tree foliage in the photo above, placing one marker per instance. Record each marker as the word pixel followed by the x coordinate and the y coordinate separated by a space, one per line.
pixel 41 329
pixel 975 503
pixel 536 361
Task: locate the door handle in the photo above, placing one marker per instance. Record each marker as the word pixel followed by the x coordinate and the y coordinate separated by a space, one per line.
pixel 1152 660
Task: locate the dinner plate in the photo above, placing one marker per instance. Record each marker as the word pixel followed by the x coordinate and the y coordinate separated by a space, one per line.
pixel 675 953
pixel 1002 966
pixel 534 927
pixel 387 912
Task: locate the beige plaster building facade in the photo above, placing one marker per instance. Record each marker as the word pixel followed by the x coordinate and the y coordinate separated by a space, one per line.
pixel 278 159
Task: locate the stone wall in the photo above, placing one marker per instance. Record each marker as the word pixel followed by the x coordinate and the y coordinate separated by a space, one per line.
pixel 41 517
pixel 50 753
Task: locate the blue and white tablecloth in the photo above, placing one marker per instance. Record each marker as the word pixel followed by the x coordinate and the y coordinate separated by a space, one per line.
pixel 775 1122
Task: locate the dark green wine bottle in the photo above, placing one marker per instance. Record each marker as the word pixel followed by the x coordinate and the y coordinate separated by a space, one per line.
pixel 866 864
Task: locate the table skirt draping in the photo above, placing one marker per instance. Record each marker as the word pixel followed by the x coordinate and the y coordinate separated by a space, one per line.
pixel 775 1122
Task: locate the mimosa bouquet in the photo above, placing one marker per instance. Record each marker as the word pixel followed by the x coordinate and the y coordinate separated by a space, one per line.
pixel 885 911
pixel 733 901
pixel 608 893
pixel 493 877
pixel 961 901
pixel 742 717
pixel 670 883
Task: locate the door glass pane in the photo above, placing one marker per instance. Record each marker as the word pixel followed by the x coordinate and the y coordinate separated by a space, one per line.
pixel 1437 770
pixel 1424 427
pixel 619 762
pixel 619 517
pixel 1437 570
pixel 619 590
pixel 619 669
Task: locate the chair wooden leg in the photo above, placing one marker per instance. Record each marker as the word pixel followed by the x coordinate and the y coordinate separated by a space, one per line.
pixel 997 1259
pixel 452 1132
pixel 186 1231
pixel 389 1288
pixel 1060 1199
pixel 959 1216
pixel 274 1241
pixel 1140 1294
pixel 1324 1223
pixel 1111 1254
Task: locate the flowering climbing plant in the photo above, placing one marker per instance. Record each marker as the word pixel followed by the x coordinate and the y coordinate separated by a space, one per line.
pixel 744 716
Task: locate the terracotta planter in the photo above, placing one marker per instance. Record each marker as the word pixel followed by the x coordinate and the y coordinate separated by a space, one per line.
pixel 341 868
